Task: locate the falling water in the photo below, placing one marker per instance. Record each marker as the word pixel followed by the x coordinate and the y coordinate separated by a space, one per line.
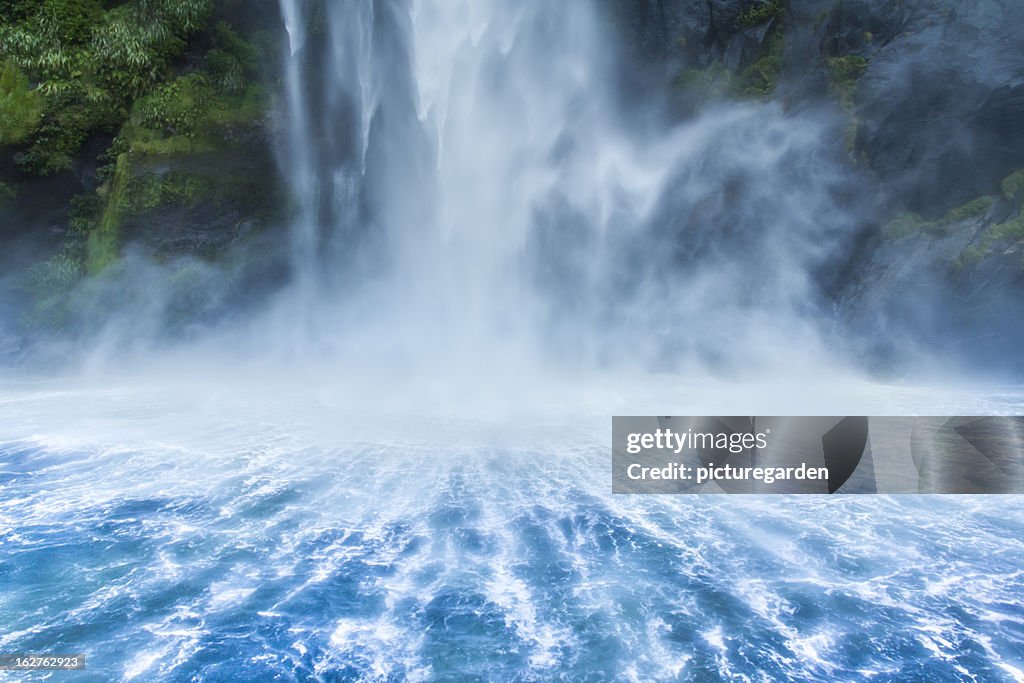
pixel 492 251
pixel 469 182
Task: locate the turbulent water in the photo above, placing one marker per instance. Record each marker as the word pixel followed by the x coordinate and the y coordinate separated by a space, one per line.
pixel 400 470
pixel 177 533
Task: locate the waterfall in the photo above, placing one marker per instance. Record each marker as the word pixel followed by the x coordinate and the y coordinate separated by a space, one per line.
pixel 468 180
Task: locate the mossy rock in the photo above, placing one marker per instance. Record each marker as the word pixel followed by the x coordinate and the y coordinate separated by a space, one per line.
pixel 1013 187
pixel 103 241
pixel 1011 231
pixel 902 225
pixel 757 81
pixel 974 209
pixel 759 12
pixel 844 74
pixel 89 63
pixel 714 81
pixel 911 223
pixel 189 115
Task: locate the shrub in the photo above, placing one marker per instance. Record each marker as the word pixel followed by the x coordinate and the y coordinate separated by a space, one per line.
pixel 760 12
pixel 20 106
pixel 1013 186
pixel 844 73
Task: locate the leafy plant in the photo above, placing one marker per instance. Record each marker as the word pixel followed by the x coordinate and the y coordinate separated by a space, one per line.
pixel 844 73
pixel 20 106
pixel 1013 186
pixel 91 63
pixel 759 12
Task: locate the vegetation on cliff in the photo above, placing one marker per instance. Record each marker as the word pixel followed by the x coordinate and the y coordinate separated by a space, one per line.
pixel 757 76
pixel 137 102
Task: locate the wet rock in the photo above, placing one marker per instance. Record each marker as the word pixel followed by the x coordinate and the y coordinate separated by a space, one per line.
pixel 941 102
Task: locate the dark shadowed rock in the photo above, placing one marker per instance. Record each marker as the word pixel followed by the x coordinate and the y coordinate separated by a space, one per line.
pixel 662 37
pixel 941 103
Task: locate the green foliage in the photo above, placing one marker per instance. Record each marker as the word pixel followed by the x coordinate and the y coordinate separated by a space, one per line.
pixel 91 63
pixel 232 61
pixel 190 115
pixel 69 21
pixel 1013 187
pixel 715 80
pixel 56 275
pixel 176 108
pixel 119 68
pixel 902 225
pixel 910 223
pixel 976 208
pixel 844 73
pixel 759 12
pixel 84 212
pixel 176 188
pixel 968 258
pixel 49 284
pixel 1010 231
pixel 20 106
pixel 760 78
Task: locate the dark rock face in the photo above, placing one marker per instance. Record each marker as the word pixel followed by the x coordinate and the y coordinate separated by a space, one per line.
pixel 933 91
pixel 942 100
pixel 939 104
pixel 662 37
pixel 940 110
pixel 914 294
pixel 862 25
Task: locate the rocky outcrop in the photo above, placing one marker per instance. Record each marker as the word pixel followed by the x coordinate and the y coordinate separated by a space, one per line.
pixel 148 126
pixel 950 286
pixel 941 101
pixel 664 38
pixel 933 95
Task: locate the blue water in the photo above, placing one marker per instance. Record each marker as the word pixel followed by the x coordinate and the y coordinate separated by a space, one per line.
pixel 201 546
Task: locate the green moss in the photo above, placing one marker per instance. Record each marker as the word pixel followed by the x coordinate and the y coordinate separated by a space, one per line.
pixel 178 188
pixel 240 108
pixel 1010 231
pixel 1002 234
pixel 1013 186
pixel 902 225
pixel 976 208
pixel 714 81
pixel 760 12
pixel 968 258
pixel 760 78
pixel 909 223
pixel 189 115
pixel 103 241
pixel 175 108
pixel 844 74
pixel 21 107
